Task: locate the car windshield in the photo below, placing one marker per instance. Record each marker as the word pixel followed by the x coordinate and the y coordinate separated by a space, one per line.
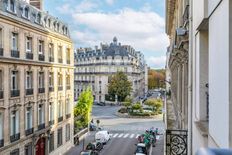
pixel 141 149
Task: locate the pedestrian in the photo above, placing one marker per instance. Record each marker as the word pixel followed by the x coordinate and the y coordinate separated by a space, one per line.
pixel 76 140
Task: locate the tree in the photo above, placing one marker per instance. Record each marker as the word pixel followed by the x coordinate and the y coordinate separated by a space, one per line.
pixel 119 85
pixel 128 102
pixel 137 107
pixel 83 109
pixel 156 104
pixel 156 78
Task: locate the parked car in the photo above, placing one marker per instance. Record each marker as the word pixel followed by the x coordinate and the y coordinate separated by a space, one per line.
pixel 89 152
pixel 95 146
pixel 141 149
pixel 101 103
pixel 102 136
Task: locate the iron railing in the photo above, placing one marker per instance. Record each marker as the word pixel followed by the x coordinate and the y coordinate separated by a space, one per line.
pixel 68 116
pixel 41 126
pixel 51 59
pixel 51 89
pixel 29 55
pixel 1 94
pixel 15 93
pixel 51 122
pixel 14 137
pixel 41 90
pixel 29 91
pixel 176 142
pixel 15 53
pixel 41 57
pixel 29 131
pixel 1 142
pixel 60 60
pixel 60 88
pixel 60 119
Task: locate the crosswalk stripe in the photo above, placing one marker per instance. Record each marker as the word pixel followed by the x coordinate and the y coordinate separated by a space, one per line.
pixel 132 135
pixel 120 135
pixel 115 135
pixel 126 135
pixel 137 136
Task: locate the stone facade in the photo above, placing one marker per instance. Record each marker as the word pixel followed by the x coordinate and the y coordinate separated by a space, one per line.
pixel 93 68
pixel 36 88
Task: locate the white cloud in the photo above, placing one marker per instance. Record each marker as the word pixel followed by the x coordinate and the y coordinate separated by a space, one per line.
pixel 156 62
pixel 142 30
pixel 86 5
pixel 110 2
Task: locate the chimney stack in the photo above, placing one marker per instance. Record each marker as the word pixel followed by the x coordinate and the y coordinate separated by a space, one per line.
pixel 37 3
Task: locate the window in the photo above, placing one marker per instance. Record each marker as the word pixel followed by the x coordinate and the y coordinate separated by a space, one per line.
pixel 26 12
pixel 28 149
pixel 68 55
pixel 41 47
pixel 51 50
pixel 38 18
pixel 41 79
pixel 60 52
pixel 1 38
pixel 29 80
pixel 14 80
pixel 14 123
pixel 1 80
pixel 14 41
pixel 67 132
pixel 28 118
pixel 68 80
pixel 67 107
pixel 51 142
pixel 28 44
pixel 12 5
pixel 15 152
pixel 58 27
pixel 51 80
pixel 51 112
pixel 59 137
pixel 60 80
pixel 1 126
pixel 40 114
pixel 60 109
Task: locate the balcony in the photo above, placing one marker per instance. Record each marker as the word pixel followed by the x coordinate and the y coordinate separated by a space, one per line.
pixel 41 126
pixel 41 57
pixel 29 131
pixel 60 88
pixel 1 94
pixel 29 91
pixel 68 61
pixel 1 143
pixel 15 93
pixel 60 119
pixel 29 55
pixel 51 59
pixel 51 89
pixel 15 53
pixel 14 137
pixel 68 116
pixel 60 60
pixel 1 51
pixel 68 87
pixel 51 122
pixel 41 90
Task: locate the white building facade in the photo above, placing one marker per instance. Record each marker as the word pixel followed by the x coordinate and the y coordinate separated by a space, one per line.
pixel 209 89
pixel 94 66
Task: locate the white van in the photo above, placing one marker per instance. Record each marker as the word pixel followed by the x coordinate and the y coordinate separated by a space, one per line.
pixel 102 136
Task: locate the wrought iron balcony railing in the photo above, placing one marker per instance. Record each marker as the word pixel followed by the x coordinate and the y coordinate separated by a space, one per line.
pixel 60 60
pixel 15 93
pixel 68 116
pixel 14 137
pixel 51 59
pixel 29 91
pixel 41 57
pixel 41 90
pixel 29 131
pixel 68 87
pixel 51 122
pixel 60 88
pixel 1 143
pixel 15 53
pixel 29 55
pixel 41 126
pixel 1 51
pixel 51 89
pixel 1 94
pixel 60 119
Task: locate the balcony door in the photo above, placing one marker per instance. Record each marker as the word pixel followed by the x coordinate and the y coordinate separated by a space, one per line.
pixel 40 147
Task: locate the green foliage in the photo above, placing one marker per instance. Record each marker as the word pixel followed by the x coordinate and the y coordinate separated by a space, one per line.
pixel 83 109
pixel 120 85
pixel 140 114
pixel 156 104
pixel 137 107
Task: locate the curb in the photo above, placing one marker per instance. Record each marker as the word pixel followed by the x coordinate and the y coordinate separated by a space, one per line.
pixel 160 116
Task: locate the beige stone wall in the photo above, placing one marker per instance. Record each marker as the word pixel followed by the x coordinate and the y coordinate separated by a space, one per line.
pixel 21 64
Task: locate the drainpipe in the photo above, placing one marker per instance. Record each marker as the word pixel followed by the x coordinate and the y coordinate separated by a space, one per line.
pixel 190 74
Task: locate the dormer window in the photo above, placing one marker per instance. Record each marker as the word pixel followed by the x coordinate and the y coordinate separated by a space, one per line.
pixel 26 12
pixel 54 25
pixel 38 18
pixel 49 22
pixel 58 27
pixel 12 5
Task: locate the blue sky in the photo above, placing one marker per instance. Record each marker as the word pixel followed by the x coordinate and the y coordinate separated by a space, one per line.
pixel 139 23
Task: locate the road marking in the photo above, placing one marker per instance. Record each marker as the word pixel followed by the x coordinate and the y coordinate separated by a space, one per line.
pixel 137 136
pixel 115 135
pixel 120 135
pixel 132 135
pixel 126 135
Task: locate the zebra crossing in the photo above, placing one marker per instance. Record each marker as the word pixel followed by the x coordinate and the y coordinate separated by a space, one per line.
pixel 124 135
pixel 128 135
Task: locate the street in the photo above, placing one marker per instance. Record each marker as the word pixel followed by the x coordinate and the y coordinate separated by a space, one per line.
pixel 123 131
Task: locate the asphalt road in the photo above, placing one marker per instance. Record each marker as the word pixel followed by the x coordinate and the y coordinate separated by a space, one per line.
pixel 124 132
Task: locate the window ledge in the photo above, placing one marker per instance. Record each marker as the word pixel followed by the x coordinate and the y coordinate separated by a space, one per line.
pixel 203 127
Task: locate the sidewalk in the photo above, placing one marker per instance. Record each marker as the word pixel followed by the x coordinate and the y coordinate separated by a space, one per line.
pixel 159 147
